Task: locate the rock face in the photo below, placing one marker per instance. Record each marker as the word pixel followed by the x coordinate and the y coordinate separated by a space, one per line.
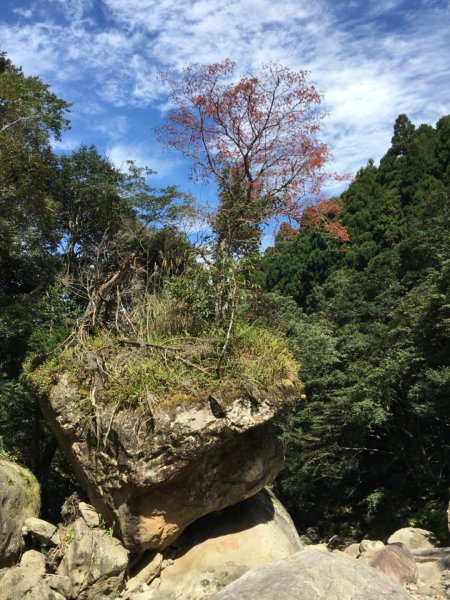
pixel 222 548
pixel 94 562
pixel 153 472
pixel 313 576
pixel 19 499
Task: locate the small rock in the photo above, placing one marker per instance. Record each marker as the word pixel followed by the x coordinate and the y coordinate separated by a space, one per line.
pixel 33 559
pixel 352 550
pixel 336 543
pixel 89 514
pixel 425 590
pixel 147 571
pixel 45 532
pixel 370 546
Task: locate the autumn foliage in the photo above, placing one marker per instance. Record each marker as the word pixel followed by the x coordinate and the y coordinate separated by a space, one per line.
pixel 256 136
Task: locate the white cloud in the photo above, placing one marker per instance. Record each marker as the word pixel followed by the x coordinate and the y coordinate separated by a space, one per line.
pixel 144 156
pixel 369 74
pixel 73 10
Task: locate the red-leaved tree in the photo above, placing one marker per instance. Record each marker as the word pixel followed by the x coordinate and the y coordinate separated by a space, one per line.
pixel 256 136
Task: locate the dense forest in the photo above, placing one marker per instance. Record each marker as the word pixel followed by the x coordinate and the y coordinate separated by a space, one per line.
pixel 366 312
pixel 369 323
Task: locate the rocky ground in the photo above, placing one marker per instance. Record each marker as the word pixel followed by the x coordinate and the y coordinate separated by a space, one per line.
pixel 249 549
pixel 434 591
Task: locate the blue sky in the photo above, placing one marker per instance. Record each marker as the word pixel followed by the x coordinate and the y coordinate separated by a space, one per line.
pixel 373 60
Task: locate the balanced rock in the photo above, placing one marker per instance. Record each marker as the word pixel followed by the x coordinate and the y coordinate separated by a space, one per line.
pixel 222 548
pixel 153 471
pixel 19 499
pixel 313 576
pixel 94 562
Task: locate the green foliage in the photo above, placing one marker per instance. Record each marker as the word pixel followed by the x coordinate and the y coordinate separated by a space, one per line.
pixel 29 115
pixel 171 349
pixel 371 441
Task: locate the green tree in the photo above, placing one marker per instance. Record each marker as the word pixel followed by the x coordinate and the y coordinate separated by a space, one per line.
pixel 371 441
pixel 30 115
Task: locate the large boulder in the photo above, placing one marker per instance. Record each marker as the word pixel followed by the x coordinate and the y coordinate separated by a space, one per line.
pixel 94 561
pixel 153 471
pixel 313 576
pixel 222 548
pixel 396 561
pixel 413 538
pixel 19 499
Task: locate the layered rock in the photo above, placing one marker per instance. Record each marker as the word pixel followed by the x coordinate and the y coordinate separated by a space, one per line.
pixel 153 471
pixel 19 499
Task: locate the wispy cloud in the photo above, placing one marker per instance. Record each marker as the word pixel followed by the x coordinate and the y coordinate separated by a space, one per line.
pixel 373 61
pixel 144 155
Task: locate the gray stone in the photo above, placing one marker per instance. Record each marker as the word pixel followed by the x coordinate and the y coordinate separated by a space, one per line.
pixel 158 469
pixel 413 538
pixel 95 563
pixel 222 548
pixel 43 531
pixel 313 576
pixel 25 582
pixel 19 499
pixel 33 559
